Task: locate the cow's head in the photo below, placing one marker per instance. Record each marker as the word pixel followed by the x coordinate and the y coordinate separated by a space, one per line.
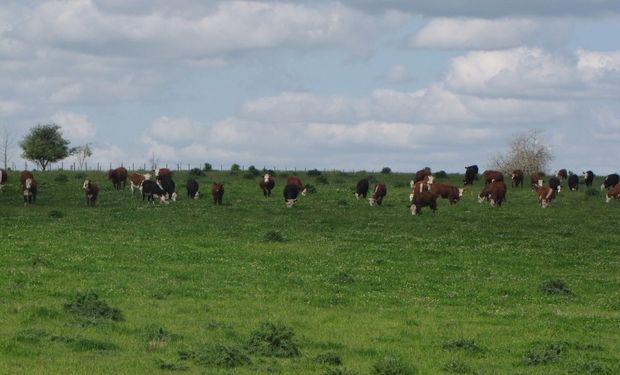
pixel 430 179
pixel 146 176
pixel 608 198
pixel 461 190
pixel 197 195
pixel 372 201
pixel 86 185
pixel 290 202
pixel 411 197
pixel 28 183
pixel 540 183
pixel 303 192
pixel 266 178
pixel 412 184
pixel 414 210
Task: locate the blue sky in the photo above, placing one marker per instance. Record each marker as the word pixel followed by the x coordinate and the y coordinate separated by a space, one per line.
pixel 323 84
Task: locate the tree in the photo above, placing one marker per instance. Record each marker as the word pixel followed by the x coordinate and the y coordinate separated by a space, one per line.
pixel 82 153
pixel 6 142
pixel 528 151
pixel 45 144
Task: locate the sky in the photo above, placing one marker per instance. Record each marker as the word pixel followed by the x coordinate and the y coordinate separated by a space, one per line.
pixel 347 85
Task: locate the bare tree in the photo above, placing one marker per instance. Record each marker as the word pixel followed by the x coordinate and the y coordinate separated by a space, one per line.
pixel 6 142
pixel 153 161
pixel 528 151
pixel 82 153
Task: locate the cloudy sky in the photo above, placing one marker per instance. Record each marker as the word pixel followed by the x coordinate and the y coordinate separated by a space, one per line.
pixel 350 84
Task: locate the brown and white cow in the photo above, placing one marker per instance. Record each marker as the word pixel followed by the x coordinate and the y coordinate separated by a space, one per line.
pixel 423 199
pixel 545 196
pixel 29 189
pixel 3 178
pixel 162 172
pixel 420 186
pixel 449 192
pixel 610 181
pixel 267 183
pixel 91 190
pixel 588 178
pixel 217 190
pixel 421 175
pixel 491 175
pixel 296 181
pixel 561 174
pixel 536 180
pixel 24 175
pixel 136 180
pixel 379 192
pixel 495 193
pixel 118 177
pixel 614 193
pixel 517 178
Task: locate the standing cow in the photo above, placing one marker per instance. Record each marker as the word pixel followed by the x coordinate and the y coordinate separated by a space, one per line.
pixel 162 172
pixel 296 181
pixel 545 196
pixel 136 180
pixel 554 183
pixel 267 183
pixel 614 193
pixel 152 190
pixel 471 173
pixel 423 199
pixel 610 181
pixel 29 187
pixel 517 178
pixel 495 193
pixel 536 180
pixel 361 189
pixel 562 174
pixel 379 192
pixel 421 175
pixel 3 178
pixel 192 188
pixel 449 192
pixel 217 190
pixel 91 190
pixel 168 186
pixel 118 177
pixel 573 182
pixel 491 176
pixel 588 178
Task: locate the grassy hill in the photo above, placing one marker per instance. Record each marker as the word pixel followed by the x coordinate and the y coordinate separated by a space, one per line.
pixel 332 286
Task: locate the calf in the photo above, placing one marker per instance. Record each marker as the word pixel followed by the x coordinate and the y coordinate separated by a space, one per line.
pixel 614 193
pixel 379 192
pixel 471 173
pixel 610 181
pixel 545 196
pixel 495 193
pixel 290 195
pixel 91 190
pixel 423 199
pixel 517 178
pixel 267 183
pixel 588 177
pixel 3 178
pixel 152 190
pixel 29 190
pixel 136 180
pixel 296 181
pixel 168 186
pixel 192 189
pixel 118 177
pixel 491 176
pixel 554 183
pixel 449 192
pixel 573 182
pixel 361 190
pixel 217 190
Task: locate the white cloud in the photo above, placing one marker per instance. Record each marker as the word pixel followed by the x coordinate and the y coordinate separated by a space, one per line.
pixel 75 127
pixel 9 107
pixel 175 130
pixel 398 73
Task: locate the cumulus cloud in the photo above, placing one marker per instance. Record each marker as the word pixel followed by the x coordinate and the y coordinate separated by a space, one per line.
pixel 75 127
pixel 175 130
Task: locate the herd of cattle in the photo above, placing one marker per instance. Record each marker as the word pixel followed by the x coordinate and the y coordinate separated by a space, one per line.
pixel 424 190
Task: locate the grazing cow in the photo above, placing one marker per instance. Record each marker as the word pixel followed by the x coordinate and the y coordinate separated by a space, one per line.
pixel 588 177
pixel 517 178
pixel 217 190
pixel 554 183
pixel 3 178
pixel 420 186
pixel 290 195
pixel 29 190
pixel 152 190
pixel 545 196
pixel 136 180
pixel 491 176
pixel 614 193
pixel 610 181
pixel 449 192
pixel 118 176
pixel 168 186
pixel 379 192
pixel 573 182
pixel 161 172
pixel 294 180
pixel 536 180
pixel 361 190
pixel 267 183
pixel 495 193
pixel 561 174
pixel 91 190
pixel 471 173
pixel 421 175
pixel 192 189
pixel 424 199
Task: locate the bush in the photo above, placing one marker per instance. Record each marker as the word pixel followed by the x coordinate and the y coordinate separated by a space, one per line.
pixel 273 340
pixel 55 214
pixel 253 171
pixel 541 355
pixel 322 180
pixel 329 358
pixel 195 172
pixel 441 174
pixel 555 287
pixel 310 189
pixel 61 178
pixel 386 170
pixel 235 168
pixel 91 307
pixel 314 172
pixel 222 356
pixel 340 371
pixel 468 345
pixel 207 167
pixel 391 366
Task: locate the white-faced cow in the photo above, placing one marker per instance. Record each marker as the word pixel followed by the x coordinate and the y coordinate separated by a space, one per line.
pixel 449 192
pixel 495 193
pixel 161 172
pixel 192 189
pixel 217 190
pixel 167 184
pixel 545 196
pixel 290 195
pixel 421 175
pixel 136 180
pixel 588 177
pixel 420 186
pixel 118 177
pixel 423 199
pixel 517 178
pixel 536 180
pixel 294 180
pixel 471 173
pixel 554 183
pixel 492 176
pixel 361 189
pixel 379 192
pixel 152 190
pixel 91 190
pixel 610 181
pixel 614 193
pixel 3 178
pixel 29 187
pixel 267 183
pixel 573 182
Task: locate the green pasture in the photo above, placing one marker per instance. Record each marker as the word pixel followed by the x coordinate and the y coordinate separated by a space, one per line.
pixel 129 287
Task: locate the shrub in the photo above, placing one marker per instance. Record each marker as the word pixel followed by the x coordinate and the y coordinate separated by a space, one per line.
pixel 195 172
pixel 221 355
pixel 274 236
pixel 328 358
pixel 90 306
pixel 556 286
pixel 235 168
pixel 310 189
pixel 441 174
pixel 386 170
pixel 322 180
pixel 253 171
pixel 391 366
pixel 468 345
pixel 456 367
pixel 273 340
pixel 61 178
pixel 340 371
pixel 314 172
pixel 171 366
pixel 55 214
pixel 207 167
pixel 542 355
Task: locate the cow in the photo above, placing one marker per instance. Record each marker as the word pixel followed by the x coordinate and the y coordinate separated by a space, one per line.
pixel 152 190
pixel 449 192
pixel 491 176
pixel 267 183
pixel 161 172
pixel 561 174
pixel 24 175
pixel 29 190
pixel 217 190
pixel 588 177
pixel 136 180
pixel 536 180
pixel 118 176
pixel 471 173
pixel 294 180
pixel 168 186
pixel 421 175
pixel 361 189
pixel 192 189
pixel 517 178
pixel 420 186
pixel 545 196
pixel 379 192
pixel 573 182
pixel 495 193
pixel 554 183
pixel 3 178
pixel 423 199
pixel 614 193
pixel 290 195
pixel 91 190
pixel 610 181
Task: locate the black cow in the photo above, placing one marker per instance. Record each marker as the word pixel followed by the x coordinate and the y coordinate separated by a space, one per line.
pixel 588 177
pixel 361 190
pixel 471 173
pixel 554 183
pixel 610 181
pixel 573 182
pixel 192 189
pixel 290 195
pixel 151 189
pixel 168 186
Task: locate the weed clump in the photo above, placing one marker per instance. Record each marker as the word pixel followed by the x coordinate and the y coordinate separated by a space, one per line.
pixel 392 366
pixel 322 180
pixel 542 355
pixel 171 366
pixel 274 236
pixel 340 371
pixel 555 287
pixel 468 345
pixel 310 189
pixel 157 337
pixel 273 340
pixel 343 278
pixel 197 172
pixel 220 355
pixel 56 214
pixel 328 358
pixel 457 367
pixel 61 178
pixel 89 306
pixel 591 368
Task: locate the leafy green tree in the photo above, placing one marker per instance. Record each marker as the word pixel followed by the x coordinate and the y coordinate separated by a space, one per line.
pixel 45 144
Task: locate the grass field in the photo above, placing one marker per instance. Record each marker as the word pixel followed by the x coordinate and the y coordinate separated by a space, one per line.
pixel 132 288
